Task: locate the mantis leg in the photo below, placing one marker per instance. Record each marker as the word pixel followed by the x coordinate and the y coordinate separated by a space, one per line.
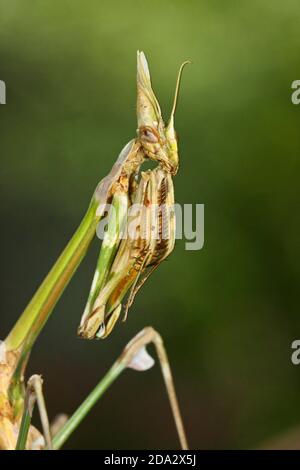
pixel 135 288
pixel 37 383
pixel 34 393
pixel 111 240
pixel 136 357
pixel 150 335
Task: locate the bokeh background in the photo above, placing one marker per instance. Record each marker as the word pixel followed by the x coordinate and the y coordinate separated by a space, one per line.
pixel 229 312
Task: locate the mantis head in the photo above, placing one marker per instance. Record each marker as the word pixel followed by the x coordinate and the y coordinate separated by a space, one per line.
pixel 159 141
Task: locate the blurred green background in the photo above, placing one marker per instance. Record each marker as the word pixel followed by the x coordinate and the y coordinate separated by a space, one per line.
pixel 229 312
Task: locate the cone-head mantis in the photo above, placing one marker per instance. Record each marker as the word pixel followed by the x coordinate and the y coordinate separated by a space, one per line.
pixel 122 264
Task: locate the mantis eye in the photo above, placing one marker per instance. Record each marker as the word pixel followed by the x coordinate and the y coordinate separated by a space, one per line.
pixel 149 134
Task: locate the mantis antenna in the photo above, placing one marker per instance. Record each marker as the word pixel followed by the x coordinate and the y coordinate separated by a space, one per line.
pixel 177 89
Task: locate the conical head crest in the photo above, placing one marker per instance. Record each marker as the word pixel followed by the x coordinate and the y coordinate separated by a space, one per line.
pixel 159 141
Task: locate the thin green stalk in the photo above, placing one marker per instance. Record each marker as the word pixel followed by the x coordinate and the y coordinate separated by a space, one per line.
pixel 30 400
pixel 64 433
pixel 134 356
pixel 24 428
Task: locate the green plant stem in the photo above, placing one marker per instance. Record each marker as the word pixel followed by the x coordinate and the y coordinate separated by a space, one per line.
pixel 22 437
pixel 64 433
pixel 38 310
pixel 134 356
